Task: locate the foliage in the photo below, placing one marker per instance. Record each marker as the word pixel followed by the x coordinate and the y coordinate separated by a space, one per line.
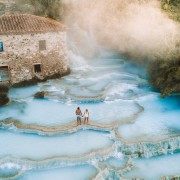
pixel 22 7
pixel 54 8
pixel 49 8
pixel 165 76
pixel 3 95
pixel 172 7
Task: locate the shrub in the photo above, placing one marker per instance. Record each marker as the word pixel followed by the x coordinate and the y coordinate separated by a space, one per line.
pixel 4 95
pixel 164 76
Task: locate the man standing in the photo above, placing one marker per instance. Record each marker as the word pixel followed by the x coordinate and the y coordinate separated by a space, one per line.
pixel 79 115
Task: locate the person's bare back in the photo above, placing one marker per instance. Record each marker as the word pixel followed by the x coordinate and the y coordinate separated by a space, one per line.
pixel 79 116
pixel 78 112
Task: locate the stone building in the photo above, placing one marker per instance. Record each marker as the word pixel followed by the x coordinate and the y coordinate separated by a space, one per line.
pixel 31 46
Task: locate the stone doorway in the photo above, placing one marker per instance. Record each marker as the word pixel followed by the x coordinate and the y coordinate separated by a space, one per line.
pixel 4 73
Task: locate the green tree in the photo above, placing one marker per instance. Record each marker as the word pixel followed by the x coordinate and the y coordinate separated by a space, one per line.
pixel 49 8
pixel 164 76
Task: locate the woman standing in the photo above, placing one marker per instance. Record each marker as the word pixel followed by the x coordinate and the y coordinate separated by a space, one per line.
pixel 86 116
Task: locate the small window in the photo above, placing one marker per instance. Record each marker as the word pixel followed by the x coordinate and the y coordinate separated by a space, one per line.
pixel 42 45
pixel 1 47
pixel 4 73
pixel 37 68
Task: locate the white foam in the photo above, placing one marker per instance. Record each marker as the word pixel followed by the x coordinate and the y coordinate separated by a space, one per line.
pixel 39 147
pixel 155 168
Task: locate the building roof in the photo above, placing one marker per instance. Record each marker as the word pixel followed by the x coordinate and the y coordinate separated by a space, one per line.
pixel 26 23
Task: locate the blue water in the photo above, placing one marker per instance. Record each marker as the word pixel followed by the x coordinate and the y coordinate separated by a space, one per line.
pixel 156 168
pixel 113 90
pixel 38 147
pixel 71 173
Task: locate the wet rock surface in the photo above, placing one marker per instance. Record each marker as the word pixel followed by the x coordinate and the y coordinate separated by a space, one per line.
pixel 4 100
pixel 44 123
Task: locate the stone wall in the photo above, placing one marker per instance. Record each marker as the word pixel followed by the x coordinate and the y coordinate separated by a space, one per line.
pixel 21 52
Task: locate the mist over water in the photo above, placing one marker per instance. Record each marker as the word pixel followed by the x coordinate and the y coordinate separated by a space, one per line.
pixel 138 29
pixel 111 87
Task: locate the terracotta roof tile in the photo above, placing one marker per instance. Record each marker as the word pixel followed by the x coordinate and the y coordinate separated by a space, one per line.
pixel 26 23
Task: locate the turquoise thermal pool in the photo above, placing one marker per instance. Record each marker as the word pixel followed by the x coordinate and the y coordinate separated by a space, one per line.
pixel 132 131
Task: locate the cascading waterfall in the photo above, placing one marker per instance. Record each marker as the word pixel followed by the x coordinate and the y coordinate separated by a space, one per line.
pixel 53 141
pixel 40 139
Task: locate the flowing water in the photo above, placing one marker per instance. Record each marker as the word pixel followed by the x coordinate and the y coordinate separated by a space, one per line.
pixel 130 126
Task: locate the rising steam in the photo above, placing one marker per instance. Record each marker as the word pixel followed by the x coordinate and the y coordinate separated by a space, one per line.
pixel 137 28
